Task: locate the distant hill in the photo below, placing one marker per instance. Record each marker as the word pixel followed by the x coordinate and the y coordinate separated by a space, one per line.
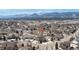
pixel 43 16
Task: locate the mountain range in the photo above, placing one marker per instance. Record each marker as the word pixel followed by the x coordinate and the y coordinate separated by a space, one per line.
pixel 43 16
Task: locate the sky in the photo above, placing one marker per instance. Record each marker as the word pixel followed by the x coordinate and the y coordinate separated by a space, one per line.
pixel 12 7
pixel 5 12
pixel 39 4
